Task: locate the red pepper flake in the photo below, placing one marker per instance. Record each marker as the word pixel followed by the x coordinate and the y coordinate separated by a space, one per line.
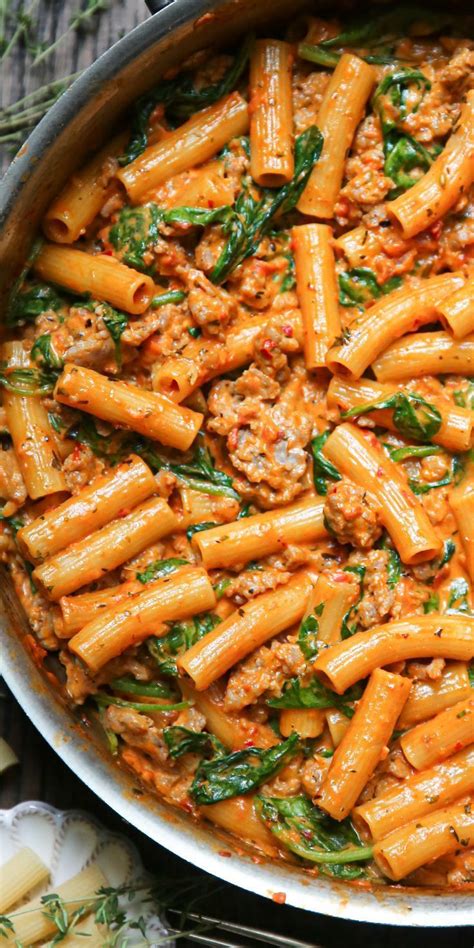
pixel 287 331
pixel 225 853
pixel 124 512
pixel 210 203
pixel 249 743
pixel 436 229
pixel 266 348
pixel 279 897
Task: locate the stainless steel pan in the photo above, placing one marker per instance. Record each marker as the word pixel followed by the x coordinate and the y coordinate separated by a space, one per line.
pixel 77 125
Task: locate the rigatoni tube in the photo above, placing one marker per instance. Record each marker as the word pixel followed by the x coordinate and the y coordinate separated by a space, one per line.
pixel 77 611
pixel 31 433
pixel 19 875
pixel 80 201
pixel 456 429
pixel 449 177
pixel 271 113
pixel 431 636
pixel 427 838
pixel 254 537
pixel 418 795
pixel 457 310
pixel 389 318
pixel 461 500
pixel 434 740
pixel 334 593
pixel 429 697
pixel 118 491
pixel 246 629
pixel 203 359
pixel 425 353
pixel 123 404
pixel 179 596
pixel 364 742
pixel 362 458
pixel 341 111
pixel 190 144
pixel 102 276
pixel 316 287
pixel 89 559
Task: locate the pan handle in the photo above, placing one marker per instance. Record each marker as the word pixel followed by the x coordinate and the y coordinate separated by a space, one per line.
pixel 155 6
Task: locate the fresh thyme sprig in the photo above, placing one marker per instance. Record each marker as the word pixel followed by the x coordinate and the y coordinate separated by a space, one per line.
pixel 19 118
pixel 77 22
pixel 109 907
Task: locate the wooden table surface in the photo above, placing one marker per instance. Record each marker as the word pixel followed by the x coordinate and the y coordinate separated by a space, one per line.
pixel 41 775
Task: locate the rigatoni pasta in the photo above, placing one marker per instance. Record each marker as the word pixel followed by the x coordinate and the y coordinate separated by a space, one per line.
pixel 237 406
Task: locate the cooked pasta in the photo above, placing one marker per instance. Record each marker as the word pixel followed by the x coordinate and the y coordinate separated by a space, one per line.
pixel 236 481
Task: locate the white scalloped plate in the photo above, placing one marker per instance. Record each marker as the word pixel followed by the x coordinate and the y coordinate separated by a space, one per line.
pixel 68 841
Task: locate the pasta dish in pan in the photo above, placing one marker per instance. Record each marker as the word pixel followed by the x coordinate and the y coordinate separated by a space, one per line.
pixel 237 461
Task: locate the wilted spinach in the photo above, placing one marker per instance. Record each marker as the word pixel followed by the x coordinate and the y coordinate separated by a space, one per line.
pixel 413 416
pixel 43 351
pixel 308 633
pixel 180 637
pixel 313 835
pixel 360 285
pixel 160 568
pixel 240 772
pixel 323 470
pixel 315 695
pixel 181 740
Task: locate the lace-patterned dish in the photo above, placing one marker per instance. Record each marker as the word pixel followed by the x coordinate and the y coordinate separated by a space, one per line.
pixel 67 842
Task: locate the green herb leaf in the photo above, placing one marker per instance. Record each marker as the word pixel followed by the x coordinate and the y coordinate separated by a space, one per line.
pixel 431 604
pixel 160 568
pixel 171 296
pixel 115 323
pixel 313 835
pixel 253 217
pixel 181 99
pixel 199 527
pixel 181 636
pixel 394 569
pixel 43 351
pixel 308 634
pixel 151 689
pixel 104 699
pixel 413 416
pixel 323 470
pixel 240 772
pixel 346 628
pixel 413 451
pixel 360 285
pixel 28 382
pixel 315 695
pixel 181 740
pixel 458 596
pixel 28 304
pixel 449 549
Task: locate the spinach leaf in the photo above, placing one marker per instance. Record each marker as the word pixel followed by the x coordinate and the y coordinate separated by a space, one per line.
pixel 458 596
pixel 323 470
pixel 452 477
pixel 253 216
pixel 375 30
pixel 28 382
pixel 313 835
pixel 148 689
pixel 413 451
pixel 181 740
pixel 201 474
pixel 308 633
pixel 314 695
pixel 161 568
pixel 413 417
pixel 394 569
pixel 28 304
pixel 431 604
pixel 470 672
pixel 449 549
pixel 170 296
pixel 289 277
pixel 43 351
pixel 181 99
pixel 221 587
pixel 134 232
pixel 465 398
pixel 179 638
pixel 115 323
pixel 103 700
pixel 239 772
pixel 199 527
pixel 360 285
pixel 346 628
pixel 403 154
